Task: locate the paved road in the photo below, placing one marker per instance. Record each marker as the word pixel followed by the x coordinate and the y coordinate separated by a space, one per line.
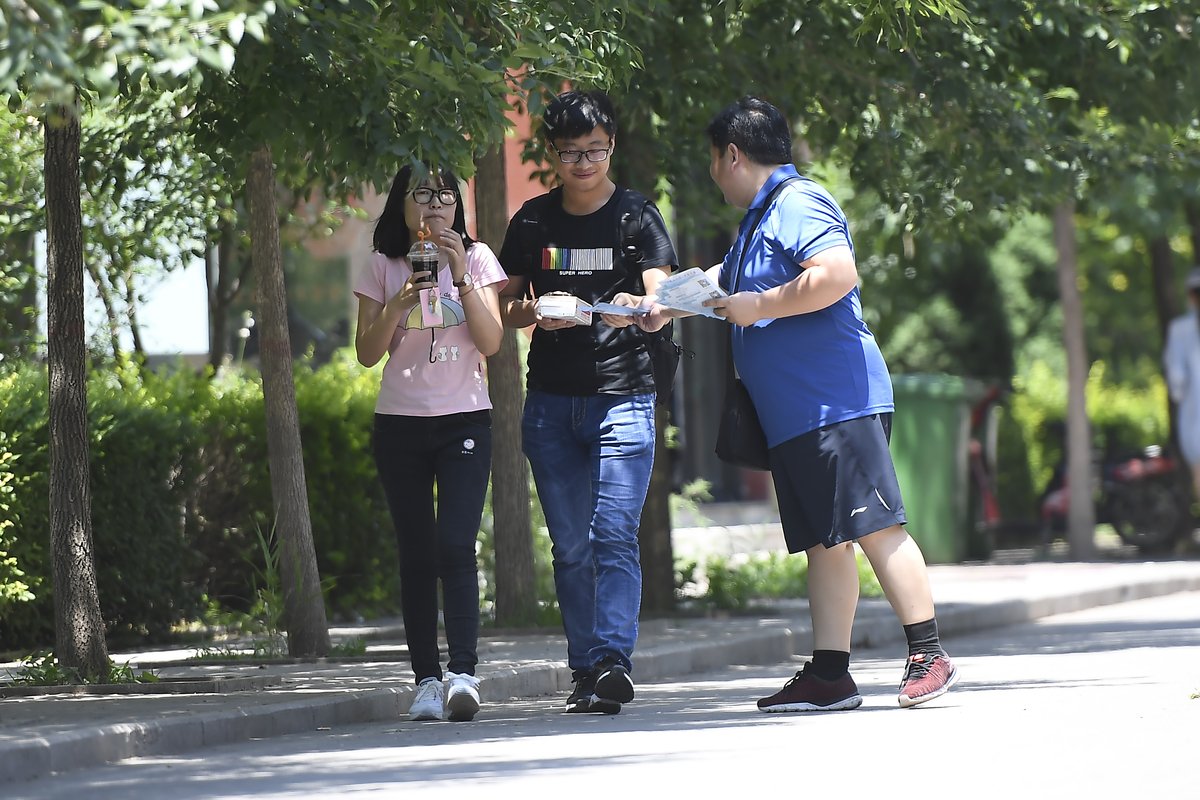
pixel 1095 704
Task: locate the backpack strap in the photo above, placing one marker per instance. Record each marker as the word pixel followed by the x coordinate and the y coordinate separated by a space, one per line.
pixel 533 228
pixel 629 224
pixel 664 351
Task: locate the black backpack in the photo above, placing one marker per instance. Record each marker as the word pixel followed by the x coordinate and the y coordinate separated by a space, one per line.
pixel 664 351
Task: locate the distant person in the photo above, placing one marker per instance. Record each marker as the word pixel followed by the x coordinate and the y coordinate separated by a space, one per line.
pixel 433 422
pixel 824 396
pixel 1182 361
pixel 588 428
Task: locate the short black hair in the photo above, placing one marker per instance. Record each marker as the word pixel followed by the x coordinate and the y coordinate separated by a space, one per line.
pixel 758 128
pixel 575 113
pixel 391 231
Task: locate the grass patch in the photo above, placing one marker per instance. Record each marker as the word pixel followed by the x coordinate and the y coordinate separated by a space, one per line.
pixel 736 583
pixel 44 669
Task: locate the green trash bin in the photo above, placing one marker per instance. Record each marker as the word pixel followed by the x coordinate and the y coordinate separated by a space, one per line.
pixel 930 447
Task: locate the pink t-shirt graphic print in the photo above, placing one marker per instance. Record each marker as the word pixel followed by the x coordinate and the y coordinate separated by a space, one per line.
pixel 432 369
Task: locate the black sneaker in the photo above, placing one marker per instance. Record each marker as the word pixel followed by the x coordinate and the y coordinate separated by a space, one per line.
pixel 613 682
pixel 583 699
pixel 580 700
pixel 807 692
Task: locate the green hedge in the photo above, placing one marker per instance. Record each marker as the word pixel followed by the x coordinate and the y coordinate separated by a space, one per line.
pixel 180 487
pixel 138 472
pixel 1123 419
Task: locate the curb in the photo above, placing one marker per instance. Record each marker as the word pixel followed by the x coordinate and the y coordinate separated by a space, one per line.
pixel 39 756
pixel 1010 612
pixel 774 642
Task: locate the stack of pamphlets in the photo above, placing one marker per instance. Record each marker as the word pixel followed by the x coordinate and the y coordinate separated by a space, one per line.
pixel 685 291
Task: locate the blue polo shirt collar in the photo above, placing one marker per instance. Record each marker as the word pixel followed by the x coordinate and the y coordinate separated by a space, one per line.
pixel 781 174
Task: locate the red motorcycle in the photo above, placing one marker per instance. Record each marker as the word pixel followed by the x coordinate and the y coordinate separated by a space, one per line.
pixel 1142 496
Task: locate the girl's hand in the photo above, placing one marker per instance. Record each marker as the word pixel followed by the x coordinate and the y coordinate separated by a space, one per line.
pixel 450 242
pixel 410 292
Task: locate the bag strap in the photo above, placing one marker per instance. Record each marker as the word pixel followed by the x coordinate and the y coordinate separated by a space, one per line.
pixel 731 371
pixel 736 277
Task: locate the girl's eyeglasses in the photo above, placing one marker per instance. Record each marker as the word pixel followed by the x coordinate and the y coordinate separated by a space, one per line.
pixel 424 196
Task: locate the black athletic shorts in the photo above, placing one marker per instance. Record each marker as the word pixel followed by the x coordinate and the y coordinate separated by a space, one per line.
pixel 837 484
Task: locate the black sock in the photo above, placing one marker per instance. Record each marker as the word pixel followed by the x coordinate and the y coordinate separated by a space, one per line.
pixel 923 638
pixel 830 665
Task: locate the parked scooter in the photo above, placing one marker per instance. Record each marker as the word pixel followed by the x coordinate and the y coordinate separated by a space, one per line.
pixel 1142 496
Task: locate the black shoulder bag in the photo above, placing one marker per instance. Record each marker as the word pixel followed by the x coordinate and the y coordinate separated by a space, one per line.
pixel 740 437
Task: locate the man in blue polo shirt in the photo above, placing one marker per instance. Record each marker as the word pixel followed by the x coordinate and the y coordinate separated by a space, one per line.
pixel 824 397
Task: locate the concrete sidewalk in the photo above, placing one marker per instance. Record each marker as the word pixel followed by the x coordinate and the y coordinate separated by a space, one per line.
pixel 52 733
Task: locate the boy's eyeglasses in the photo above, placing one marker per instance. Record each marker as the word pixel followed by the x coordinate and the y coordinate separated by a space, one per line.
pixel 574 156
pixel 424 196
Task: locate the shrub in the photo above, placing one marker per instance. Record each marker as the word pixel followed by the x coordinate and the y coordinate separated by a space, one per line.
pixel 735 583
pixel 13 588
pixel 137 456
pixel 352 530
pixel 231 497
pixel 23 418
pixel 180 485
pixel 1123 418
pixel 142 462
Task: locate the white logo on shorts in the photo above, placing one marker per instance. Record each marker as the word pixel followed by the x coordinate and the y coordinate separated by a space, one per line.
pixel 858 511
pixel 468 444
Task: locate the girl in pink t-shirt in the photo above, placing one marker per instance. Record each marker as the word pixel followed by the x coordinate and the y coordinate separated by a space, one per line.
pixel 433 422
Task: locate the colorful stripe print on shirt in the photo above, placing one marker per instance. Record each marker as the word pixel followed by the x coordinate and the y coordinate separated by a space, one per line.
pixel 569 259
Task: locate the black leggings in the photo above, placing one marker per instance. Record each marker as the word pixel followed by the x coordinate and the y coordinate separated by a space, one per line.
pixel 411 453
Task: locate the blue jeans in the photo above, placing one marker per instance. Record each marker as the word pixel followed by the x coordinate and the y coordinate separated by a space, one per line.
pixel 591 459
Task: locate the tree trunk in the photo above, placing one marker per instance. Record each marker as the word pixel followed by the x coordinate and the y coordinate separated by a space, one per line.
pixel 654 532
pixel 225 270
pixel 1191 210
pixel 304 607
pixel 216 326
pixel 1081 518
pixel 640 171
pixel 1162 276
pixel 135 330
pixel 104 292
pixel 1167 306
pixel 78 624
pixel 512 536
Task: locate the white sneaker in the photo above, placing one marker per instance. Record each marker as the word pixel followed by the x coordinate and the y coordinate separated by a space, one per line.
pixel 429 700
pixel 462 699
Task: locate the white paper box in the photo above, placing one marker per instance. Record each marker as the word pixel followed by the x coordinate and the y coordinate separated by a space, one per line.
pixel 554 306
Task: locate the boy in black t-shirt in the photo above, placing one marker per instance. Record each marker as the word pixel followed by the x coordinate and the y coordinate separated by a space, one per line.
pixel 588 426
